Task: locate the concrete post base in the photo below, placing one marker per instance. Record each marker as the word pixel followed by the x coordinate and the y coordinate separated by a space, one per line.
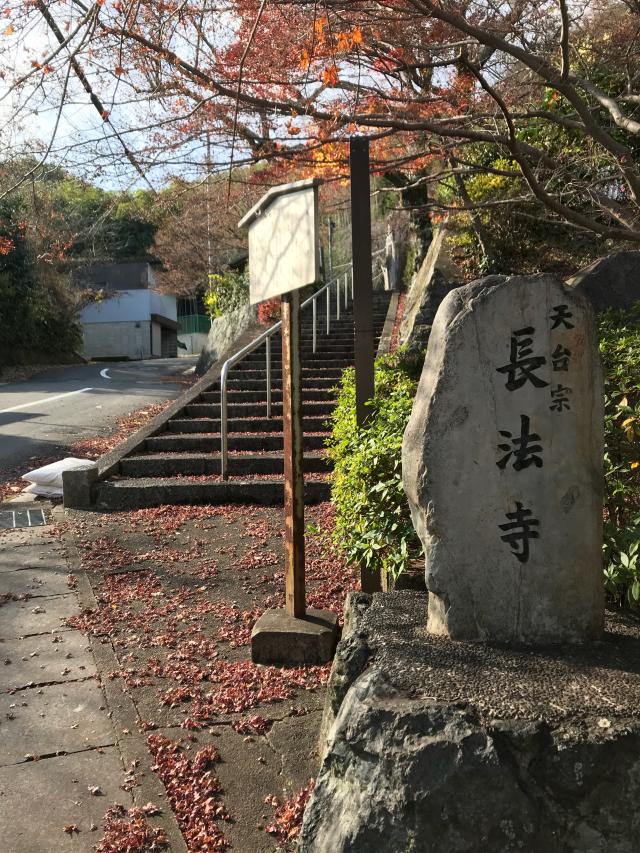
pixel 278 638
pixel 77 485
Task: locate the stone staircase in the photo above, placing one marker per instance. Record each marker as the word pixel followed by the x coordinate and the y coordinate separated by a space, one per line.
pixel 180 463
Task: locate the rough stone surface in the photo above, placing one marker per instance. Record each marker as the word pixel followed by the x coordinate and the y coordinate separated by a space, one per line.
pixel 502 464
pixel 437 276
pixel 477 748
pixel 611 282
pixel 349 661
pixel 223 332
pixel 278 637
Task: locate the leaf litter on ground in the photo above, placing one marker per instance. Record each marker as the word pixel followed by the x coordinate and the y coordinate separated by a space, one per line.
pixel 178 590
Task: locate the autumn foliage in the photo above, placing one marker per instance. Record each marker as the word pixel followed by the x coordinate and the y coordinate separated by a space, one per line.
pixel 552 88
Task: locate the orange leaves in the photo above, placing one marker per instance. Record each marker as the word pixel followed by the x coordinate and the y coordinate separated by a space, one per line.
pixel 319 26
pixel 347 41
pixel 330 75
pixel 6 245
pixel 356 36
pixel 326 45
pixel 118 70
pixel 8 30
pixel 343 42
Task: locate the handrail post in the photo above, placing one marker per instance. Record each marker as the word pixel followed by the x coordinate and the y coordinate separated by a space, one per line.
pixel 224 449
pixel 338 298
pixel 346 290
pixel 315 314
pixel 328 309
pixel 268 357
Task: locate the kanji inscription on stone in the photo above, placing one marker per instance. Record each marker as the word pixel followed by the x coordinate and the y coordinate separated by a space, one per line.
pixel 502 464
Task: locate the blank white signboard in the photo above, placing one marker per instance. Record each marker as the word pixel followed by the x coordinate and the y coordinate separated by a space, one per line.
pixel 283 243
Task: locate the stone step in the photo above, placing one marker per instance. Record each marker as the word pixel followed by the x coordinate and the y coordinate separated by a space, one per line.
pixel 185 464
pixel 311 384
pixel 237 395
pixel 148 492
pixel 257 409
pixel 210 442
pixel 334 361
pixel 257 372
pixel 236 425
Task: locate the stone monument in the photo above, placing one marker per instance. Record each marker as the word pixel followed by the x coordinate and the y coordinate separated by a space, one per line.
pixel 502 464
pixel 432 741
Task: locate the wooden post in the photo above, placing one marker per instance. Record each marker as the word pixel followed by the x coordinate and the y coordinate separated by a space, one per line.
pixel 362 276
pixel 293 476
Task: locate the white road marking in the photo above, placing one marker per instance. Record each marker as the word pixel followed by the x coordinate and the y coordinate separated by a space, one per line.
pixel 44 400
pixel 105 373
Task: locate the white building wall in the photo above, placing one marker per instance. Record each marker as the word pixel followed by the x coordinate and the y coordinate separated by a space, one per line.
pixel 118 340
pixel 122 306
pixel 163 304
pixel 156 339
pixel 194 342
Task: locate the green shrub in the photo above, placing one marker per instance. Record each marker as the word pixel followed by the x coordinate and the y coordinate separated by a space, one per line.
pixel 227 292
pixel 620 351
pixel 373 525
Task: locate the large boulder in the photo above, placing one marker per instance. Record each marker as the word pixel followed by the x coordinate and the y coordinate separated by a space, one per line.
pixel 447 747
pixel 611 282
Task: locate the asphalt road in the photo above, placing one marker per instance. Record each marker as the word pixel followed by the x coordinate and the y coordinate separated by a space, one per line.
pixel 61 406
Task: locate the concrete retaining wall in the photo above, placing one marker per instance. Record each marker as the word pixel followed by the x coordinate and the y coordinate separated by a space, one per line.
pixel 223 332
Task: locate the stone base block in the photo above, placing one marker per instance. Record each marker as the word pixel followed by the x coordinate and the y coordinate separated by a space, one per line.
pixel 437 746
pixel 77 486
pixel 278 638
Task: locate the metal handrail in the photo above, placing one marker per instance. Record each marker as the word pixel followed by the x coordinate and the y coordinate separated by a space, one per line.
pixel 342 292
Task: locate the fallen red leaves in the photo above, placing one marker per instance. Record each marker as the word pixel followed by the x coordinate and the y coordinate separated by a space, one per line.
pixel 287 820
pixel 127 831
pixel 252 725
pixel 163 592
pixel 194 793
pixel 395 333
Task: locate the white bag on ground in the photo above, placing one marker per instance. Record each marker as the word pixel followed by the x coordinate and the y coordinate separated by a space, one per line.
pixel 48 479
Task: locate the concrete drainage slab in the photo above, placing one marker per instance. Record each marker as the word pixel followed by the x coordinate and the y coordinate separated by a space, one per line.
pixel 12 518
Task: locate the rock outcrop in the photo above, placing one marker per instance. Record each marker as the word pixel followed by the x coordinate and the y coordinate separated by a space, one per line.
pixel 445 747
pixel 437 276
pixel 611 282
pixel 223 332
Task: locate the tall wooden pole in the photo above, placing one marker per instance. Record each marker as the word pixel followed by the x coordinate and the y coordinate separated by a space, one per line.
pixel 293 476
pixel 362 275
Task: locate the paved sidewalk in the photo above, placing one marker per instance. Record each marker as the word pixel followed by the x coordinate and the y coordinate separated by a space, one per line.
pixel 156 687
pixel 61 766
